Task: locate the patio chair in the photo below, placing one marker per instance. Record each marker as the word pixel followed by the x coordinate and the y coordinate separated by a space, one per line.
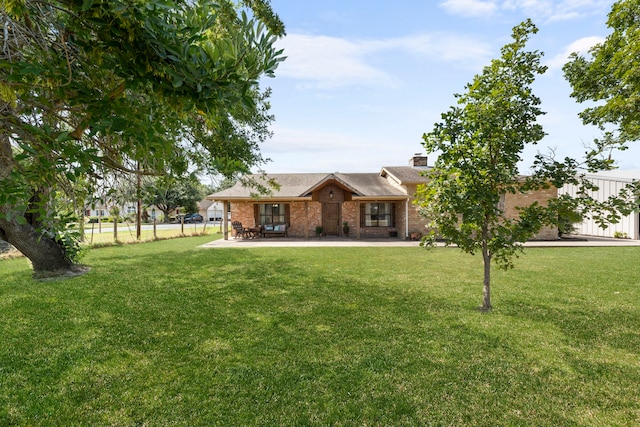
pixel 239 229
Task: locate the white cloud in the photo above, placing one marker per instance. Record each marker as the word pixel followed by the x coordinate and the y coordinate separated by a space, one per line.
pixel 329 62
pixel 548 10
pixel 456 48
pixel 323 62
pixel 557 10
pixel 580 46
pixel 469 7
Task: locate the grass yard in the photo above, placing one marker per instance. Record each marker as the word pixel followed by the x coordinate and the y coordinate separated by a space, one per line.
pixel 164 333
pixel 127 233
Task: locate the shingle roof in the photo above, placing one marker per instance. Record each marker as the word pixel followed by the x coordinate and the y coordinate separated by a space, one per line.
pixel 406 174
pixel 204 204
pixel 371 185
pixel 368 185
pixel 291 186
pixel 336 178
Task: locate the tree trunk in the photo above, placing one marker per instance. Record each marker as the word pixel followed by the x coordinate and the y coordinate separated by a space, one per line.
pixel 139 203
pixel 165 210
pixel 47 256
pixel 486 258
pixel 486 289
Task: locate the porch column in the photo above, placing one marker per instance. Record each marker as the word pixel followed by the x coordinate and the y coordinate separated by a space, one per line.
pixel 225 222
pixel 306 219
pixel 406 219
pixel 358 221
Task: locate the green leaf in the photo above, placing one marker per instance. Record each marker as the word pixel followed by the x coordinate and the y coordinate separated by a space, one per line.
pixel 86 5
pixel 63 136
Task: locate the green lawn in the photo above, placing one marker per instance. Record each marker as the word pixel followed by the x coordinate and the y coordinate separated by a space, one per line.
pixel 127 233
pixel 165 333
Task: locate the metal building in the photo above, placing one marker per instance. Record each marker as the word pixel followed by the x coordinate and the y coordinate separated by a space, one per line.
pixel 609 183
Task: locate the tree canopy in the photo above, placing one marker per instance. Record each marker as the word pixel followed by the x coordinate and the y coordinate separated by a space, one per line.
pixel 480 142
pixel 607 80
pixel 155 87
pixel 609 75
pixel 168 194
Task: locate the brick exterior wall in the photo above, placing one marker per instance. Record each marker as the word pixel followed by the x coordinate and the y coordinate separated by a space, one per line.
pixel 417 224
pixel 243 212
pixel 298 219
pixel 305 216
pixel 542 196
pixel 350 216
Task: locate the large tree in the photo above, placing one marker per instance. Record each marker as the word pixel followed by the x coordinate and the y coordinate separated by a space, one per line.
pixel 480 142
pixel 168 194
pixel 150 87
pixel 606 79
pixel 609 76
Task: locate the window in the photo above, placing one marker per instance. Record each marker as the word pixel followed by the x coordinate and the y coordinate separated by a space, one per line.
pixel 377 215
pixel 272 213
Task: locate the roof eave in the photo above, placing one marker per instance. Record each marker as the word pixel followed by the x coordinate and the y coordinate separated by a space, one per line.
pixel 389 198
pixel 260 199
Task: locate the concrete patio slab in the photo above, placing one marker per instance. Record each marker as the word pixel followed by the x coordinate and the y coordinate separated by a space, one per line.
pixel 578 241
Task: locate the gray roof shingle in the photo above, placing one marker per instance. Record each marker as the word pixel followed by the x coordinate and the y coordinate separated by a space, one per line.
pixel 295 185
pixel 406 174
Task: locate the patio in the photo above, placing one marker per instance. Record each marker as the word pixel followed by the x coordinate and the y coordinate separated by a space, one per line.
pixel 578 241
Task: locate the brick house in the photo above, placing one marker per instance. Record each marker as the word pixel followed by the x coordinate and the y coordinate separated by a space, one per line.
pixel 374 205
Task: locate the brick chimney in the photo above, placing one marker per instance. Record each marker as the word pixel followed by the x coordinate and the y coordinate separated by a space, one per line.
pixel 418 161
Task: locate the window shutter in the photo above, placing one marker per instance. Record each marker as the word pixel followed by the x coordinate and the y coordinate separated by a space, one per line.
pixel 287 213
pixel 363 214
pixel 256 214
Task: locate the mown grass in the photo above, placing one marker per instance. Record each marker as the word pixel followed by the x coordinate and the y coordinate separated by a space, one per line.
pixel 127 233
pixel 165 333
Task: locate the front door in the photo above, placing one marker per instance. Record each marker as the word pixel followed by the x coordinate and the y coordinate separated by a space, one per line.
pixel 331 219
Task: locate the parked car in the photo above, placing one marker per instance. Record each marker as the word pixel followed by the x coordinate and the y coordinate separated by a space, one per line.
pixel 193 218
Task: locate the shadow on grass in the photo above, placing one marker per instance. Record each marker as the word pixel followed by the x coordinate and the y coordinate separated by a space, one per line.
pixel 585 327
pixel 172 334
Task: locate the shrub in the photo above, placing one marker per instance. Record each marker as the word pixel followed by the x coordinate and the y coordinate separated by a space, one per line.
pixel 567 220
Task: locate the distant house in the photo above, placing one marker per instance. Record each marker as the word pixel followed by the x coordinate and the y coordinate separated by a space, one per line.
pixel 609 183
pixel 210 210
pixel 374 205
pixel 127 209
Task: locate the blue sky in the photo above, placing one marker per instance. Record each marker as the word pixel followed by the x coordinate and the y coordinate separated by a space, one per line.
pixel 364 80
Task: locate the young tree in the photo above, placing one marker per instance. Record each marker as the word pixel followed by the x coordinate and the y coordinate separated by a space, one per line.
pixel 152 87
pixel 480 142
